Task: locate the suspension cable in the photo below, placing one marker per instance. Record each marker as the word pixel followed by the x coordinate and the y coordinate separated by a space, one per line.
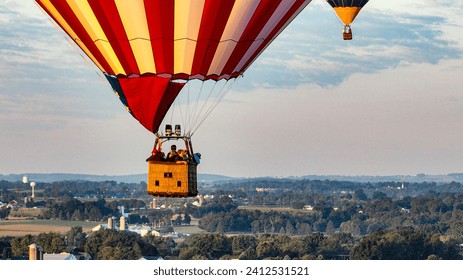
pixel 218 99
pixel 200 112
pixel 198 98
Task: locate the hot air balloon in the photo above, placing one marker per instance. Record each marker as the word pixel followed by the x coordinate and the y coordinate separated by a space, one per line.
pixel 152 52
pixel 347 10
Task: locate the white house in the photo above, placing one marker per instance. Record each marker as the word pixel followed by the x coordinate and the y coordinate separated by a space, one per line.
pixel 142 230
pixel 59 257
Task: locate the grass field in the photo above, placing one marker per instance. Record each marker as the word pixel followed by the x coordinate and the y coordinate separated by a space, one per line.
pixel 188 229
pixel 35 227
pixel 271 208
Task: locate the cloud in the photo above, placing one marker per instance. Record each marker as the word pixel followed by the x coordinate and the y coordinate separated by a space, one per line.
pixel 311 50
pixel 44 77
pixel 28 40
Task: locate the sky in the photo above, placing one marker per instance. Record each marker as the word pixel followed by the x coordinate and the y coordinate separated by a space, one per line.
pixel 389 102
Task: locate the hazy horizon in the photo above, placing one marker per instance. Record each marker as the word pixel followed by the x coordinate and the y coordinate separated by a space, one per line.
pixel 387 102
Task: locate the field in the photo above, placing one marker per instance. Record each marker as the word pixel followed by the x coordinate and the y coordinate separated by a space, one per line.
pixel 21 227
pixel 271 208
pixel 35 227
pixel 188 229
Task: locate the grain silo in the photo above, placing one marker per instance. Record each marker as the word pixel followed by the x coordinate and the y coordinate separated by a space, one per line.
pixel 110 223
pixel 33 252
pixel 153 203
pixel 122 223
pixel 200 200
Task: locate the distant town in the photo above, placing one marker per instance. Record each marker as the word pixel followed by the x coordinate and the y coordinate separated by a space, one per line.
pixel 232 218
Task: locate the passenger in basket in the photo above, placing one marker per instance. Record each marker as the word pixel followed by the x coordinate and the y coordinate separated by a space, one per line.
pixel 156 156
pixel 182 155
pixel 156 153
pixel 172 155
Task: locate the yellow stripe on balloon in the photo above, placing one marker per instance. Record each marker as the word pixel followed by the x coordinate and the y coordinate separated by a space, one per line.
pixel 133 17
pixel 60 20
pixel 87 18
pixel 188 15
pixel 239 18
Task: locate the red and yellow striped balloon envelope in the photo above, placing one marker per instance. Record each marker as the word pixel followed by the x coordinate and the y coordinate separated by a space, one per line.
pixel 149 49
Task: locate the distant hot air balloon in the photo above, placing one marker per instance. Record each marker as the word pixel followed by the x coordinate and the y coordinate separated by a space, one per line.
pixel 152 51
pixel 347 10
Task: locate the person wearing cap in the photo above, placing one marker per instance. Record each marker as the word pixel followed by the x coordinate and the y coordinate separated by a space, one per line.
pixel 156 153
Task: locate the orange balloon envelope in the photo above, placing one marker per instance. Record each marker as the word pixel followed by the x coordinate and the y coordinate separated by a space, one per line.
pixel 347 10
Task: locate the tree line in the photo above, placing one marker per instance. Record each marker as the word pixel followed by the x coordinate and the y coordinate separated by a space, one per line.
pixel 440 213
pixel 105 244
pixel 78 188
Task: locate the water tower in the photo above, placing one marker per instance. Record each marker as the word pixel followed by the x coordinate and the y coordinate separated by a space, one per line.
pixel 32 184
pixel 25 180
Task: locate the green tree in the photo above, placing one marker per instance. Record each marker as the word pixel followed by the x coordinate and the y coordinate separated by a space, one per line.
pixel 75 239
pixel 77 215
pixel 456 231
pixel 207 245
pixel 186 219
pixel 114 245
pixel 248 254
pixel 307 245
pixel 330 228
pixel 20 245
pixel 6 253
pixel 403 244
pixel 157 246
pixel 304 228
pixel 178 220
pixel 220 227
pixel 241 243
pixel 4 212
pixel 378 195
pixel 289 228
pixel 52 243
pixel 359 194
pixel 267 247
